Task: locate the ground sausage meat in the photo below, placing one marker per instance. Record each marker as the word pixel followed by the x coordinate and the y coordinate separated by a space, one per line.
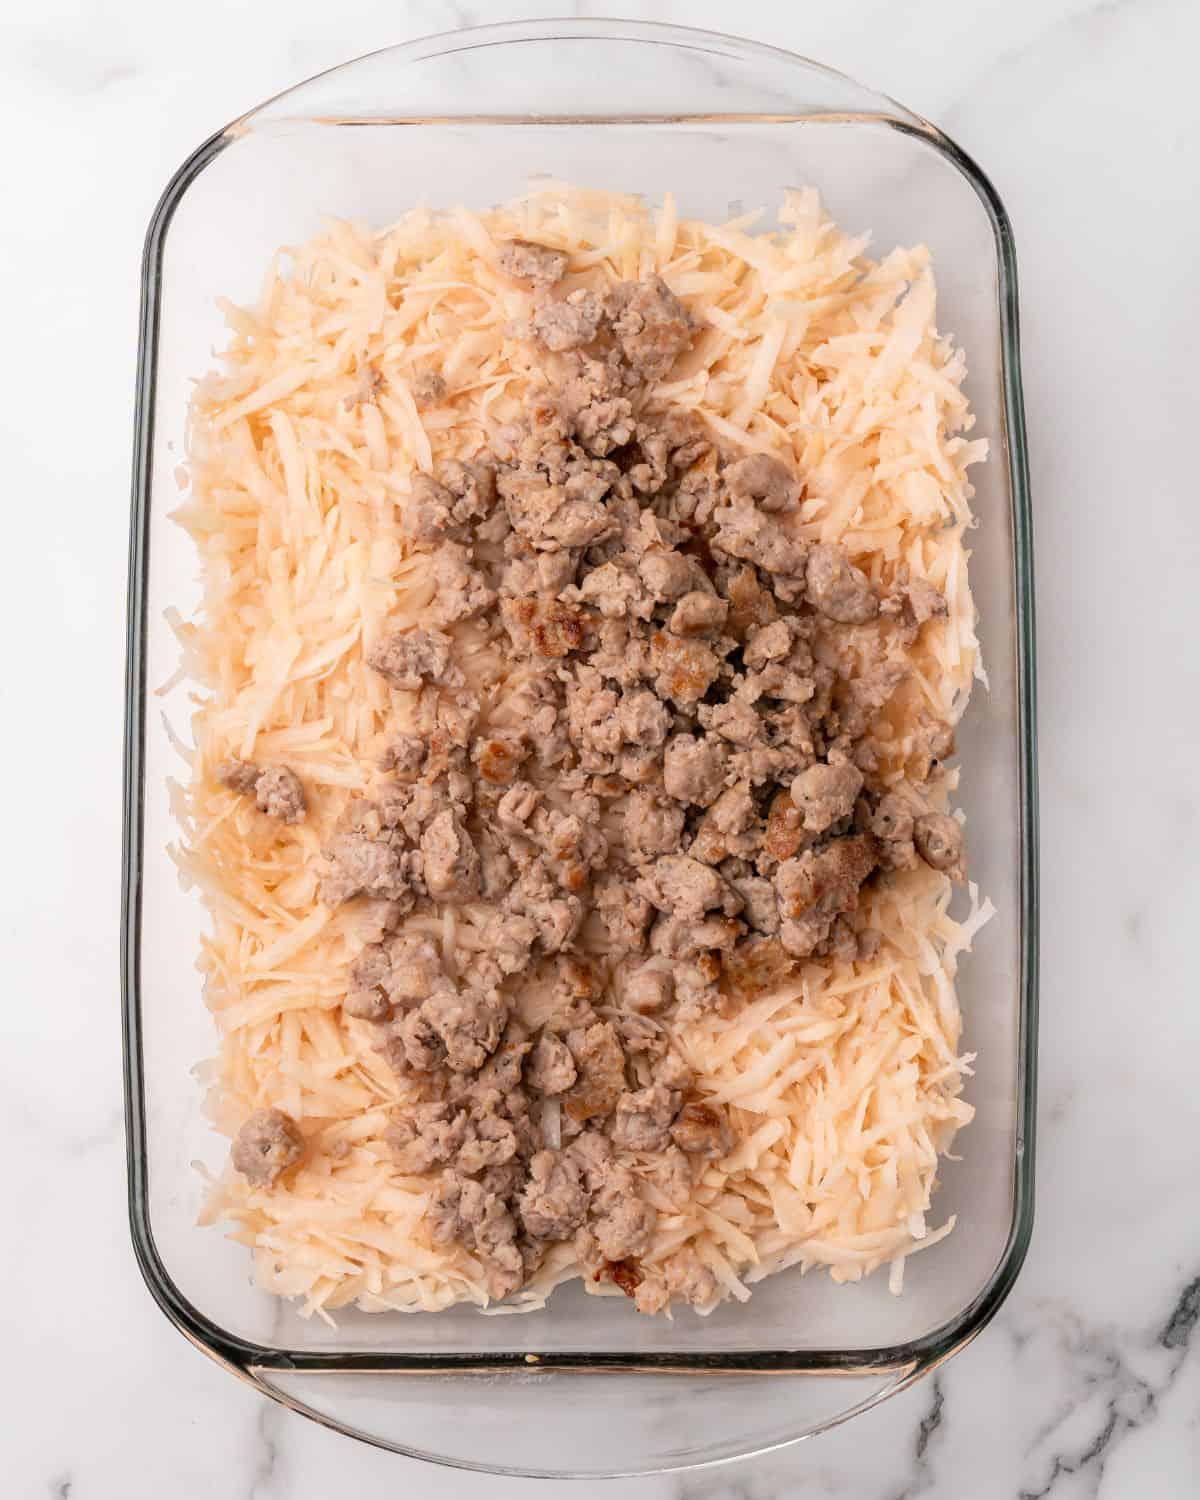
pixel 362 865
pixel 675 883
pixel 818 886
pixel 449 858
pixel 892 823
pixel 529 261
pixel 464 1210
pixel 268 1143
pixel 238 775
pixel 650 324
pixel 469 1023
pixel 622 1224
pixel 825 793
pixel 600 1063
pixel 763 481
pixel 409 658
pixel 652 825
pixel 566 324
pixel 646 745
pixel 552 1069
pixel 554 1202
pixel 431 1136
pixel 278 792
pixel 702 1130
pixel 698 613
pixel 642 1120
pixel 666 574
pixel 939 841
pixel 694 769
pixel 837 589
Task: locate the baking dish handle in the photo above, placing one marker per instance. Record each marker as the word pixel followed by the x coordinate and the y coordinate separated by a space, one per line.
pixel 589 1424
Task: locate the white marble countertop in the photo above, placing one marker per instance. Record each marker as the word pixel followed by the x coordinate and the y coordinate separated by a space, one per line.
pixel 1087 118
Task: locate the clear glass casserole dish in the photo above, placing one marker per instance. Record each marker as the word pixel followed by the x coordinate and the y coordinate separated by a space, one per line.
pixel 725 124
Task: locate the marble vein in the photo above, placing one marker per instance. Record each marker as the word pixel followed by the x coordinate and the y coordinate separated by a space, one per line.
pixel 1115 1385
pixel 1184 1316
pixel 928 1428
pixel 266 1449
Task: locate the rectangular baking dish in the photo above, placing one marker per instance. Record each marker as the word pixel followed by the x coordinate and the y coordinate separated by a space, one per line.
pixel 726 125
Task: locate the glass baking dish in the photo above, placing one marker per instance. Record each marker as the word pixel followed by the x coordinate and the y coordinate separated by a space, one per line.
pixel 725 124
